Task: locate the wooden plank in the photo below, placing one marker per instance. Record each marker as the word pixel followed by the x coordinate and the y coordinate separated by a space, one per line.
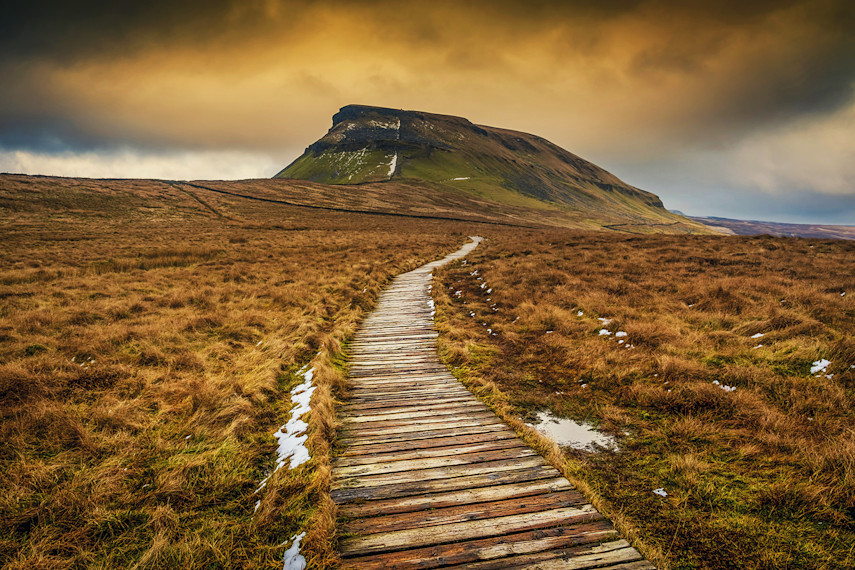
pixel 441 485
pixel 453 418
pixel 359 392
pixel 409 454
pixel 495 468
pixel 353 411
pixel 605 555
pixel 467 496
pixel 497 427
pixel 457 553
pixel 423 432
pixel 410 414
pixel 386 399
pixel 361 448
pixel 453 532
pixel 402 382
pixel 460 513
pixel 428 463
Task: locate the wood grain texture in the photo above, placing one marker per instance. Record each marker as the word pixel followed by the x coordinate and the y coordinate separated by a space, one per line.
pixel 428 477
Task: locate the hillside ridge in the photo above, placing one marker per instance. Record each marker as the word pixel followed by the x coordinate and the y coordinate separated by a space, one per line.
pixel 379 144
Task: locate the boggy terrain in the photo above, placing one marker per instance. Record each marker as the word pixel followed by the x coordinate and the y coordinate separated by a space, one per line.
pixel 148 344
pixel 152 332
pixel 725 367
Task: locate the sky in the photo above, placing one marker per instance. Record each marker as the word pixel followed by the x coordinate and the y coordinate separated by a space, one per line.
pixel 732 108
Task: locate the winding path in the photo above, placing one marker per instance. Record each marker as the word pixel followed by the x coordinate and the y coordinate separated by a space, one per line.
pixel 429 477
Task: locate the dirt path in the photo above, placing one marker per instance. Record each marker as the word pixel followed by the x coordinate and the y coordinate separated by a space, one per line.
pixel 431 478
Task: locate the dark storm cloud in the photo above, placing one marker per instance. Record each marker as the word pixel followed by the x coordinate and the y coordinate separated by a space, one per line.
pixel 628 81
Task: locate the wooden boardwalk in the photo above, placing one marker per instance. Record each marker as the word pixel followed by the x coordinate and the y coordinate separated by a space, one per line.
pixel 429 477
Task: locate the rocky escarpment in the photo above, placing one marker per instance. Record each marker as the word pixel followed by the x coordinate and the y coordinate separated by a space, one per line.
pixel 371 144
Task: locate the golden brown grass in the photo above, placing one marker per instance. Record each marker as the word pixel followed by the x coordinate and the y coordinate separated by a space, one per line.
pixel 145 363
pixel 759 477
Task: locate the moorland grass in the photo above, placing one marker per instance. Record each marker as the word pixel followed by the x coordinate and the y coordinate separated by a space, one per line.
pixel 145 364
pixel 755 452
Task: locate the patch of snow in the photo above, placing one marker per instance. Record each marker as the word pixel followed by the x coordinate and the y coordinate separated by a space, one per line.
pixel 759 346
pixel 258 343
pixel 758 335
pixel 463 178
pixel 292 436
pixel 660 491
pixel 580 314
pixel 620 334
pixel 724 387
pixel 393 165
pixel 819 366
pixel 489 290
pixel 605 332
pixel 292 559
pixel 604 320
pixel 843 294
pixel 549 332
pixel 567 433
pixel 483 285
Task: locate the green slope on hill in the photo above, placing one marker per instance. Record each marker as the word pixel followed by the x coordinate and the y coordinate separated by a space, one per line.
pixel 374 144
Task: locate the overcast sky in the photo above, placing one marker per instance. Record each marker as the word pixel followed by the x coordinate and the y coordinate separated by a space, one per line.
pixel 738 109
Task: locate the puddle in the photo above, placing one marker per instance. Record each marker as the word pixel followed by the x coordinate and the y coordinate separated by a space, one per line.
pixel 568 433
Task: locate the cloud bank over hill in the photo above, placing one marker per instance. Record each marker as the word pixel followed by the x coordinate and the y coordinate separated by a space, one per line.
pixel 703 103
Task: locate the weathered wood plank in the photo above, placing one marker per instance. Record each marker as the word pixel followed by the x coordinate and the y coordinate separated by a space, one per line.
pixel 417 423
pixel 362 448
pixel 353 411
pixel 605 555
pixel 383 455
pixel 457 553
pixel 467 496
pixel 409 538
pixel 426 434
pixel 495 468
pixel 428 463
pixel 379 399
pixel 441 485
pixel 460 513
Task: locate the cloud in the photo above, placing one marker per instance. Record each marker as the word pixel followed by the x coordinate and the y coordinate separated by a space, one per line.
pixel 634 83
pixel 128 163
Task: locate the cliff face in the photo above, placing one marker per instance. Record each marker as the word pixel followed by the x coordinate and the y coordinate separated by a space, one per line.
pixel 371 144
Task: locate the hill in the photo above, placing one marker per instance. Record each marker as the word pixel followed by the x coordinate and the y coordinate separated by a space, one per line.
pixel 781 229
pixel 451 155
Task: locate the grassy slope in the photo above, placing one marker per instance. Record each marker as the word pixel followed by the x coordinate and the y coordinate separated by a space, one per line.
pixel 191 313
pixel 761 477
pixel 505 167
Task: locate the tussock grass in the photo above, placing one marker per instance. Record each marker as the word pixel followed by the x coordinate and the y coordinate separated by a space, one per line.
pixel 757 477
pixel 146 363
